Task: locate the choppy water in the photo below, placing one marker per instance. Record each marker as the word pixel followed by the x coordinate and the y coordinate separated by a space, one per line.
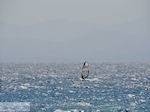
pixel 111 87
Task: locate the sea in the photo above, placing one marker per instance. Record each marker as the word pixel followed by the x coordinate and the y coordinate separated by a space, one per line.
pixel 57 87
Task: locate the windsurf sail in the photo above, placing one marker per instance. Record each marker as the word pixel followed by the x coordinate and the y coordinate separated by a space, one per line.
pixel 85 70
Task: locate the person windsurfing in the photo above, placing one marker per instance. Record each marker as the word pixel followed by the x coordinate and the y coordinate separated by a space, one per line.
pixel 85 71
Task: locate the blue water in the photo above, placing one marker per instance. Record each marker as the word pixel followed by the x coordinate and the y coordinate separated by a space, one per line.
pixel 110 87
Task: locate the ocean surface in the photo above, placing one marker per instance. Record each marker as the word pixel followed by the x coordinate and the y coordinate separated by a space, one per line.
pixel 56 87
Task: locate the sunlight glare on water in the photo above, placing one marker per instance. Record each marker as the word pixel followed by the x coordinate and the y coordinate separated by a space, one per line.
pixel 110 87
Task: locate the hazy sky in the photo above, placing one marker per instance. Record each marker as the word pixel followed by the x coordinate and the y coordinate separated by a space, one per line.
pixel 74 30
